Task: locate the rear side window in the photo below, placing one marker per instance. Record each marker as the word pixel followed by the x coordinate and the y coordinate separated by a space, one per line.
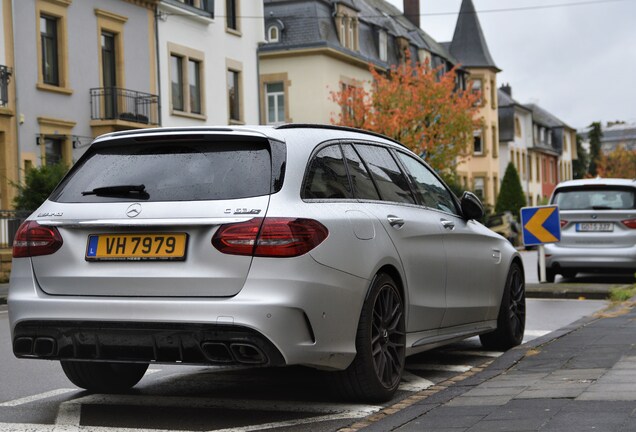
pixel 327 176
pixel 180 171
pixel 363 186
pixel 596 198
pixel 386 173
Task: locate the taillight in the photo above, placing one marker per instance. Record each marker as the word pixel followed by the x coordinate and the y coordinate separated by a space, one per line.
pixel 33 239
pixel 270 237
pixel 630 223
pixel 563 223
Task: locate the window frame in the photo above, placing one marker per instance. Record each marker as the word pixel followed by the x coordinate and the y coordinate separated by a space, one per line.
pixel 270 34
pixel 55 10
pixel 187 55
pixel 383 44
pixel 232 20
pixel 479 133
pixel 235 116
pixel 277 106
pixel 58 129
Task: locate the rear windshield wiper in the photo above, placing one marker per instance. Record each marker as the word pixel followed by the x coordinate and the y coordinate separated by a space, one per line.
pixel 118 190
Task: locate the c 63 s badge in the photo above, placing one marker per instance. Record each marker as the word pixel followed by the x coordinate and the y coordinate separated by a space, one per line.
pixel 243 211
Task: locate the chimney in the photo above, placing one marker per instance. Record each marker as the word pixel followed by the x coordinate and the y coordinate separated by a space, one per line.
pixel 507 89
pixel 412 11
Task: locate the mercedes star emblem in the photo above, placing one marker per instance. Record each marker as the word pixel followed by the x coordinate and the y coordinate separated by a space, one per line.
pixel 133 210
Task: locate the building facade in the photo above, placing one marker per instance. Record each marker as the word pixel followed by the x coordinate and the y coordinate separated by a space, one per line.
pixel 615 134
pixel 516 139
pixel 93 70
pixel 480 171
pixel 8 139
pixel 208 61
pixel 540 146
pixel 83 68
pixel 314 47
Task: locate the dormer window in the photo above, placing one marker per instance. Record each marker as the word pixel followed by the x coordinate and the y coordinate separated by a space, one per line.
pixel 383 45
pixel 347 25
pixel 273 34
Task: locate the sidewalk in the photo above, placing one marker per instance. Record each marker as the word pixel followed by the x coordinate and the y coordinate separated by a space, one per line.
pixel 581 377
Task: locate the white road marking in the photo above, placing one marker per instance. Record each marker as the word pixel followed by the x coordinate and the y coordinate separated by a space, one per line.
pixel 477 353
pixel 37 397
pixel 30 427
pixel 68 414
pixel 536 333
pixel 152 371
pixel 69 411
pixel 414 383
pixel 439 367
pixel 4 312
pixel 290 423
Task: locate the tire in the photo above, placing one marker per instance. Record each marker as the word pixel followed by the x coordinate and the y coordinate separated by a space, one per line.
pixel 569 274
pixel 104 377
pixel 550 275
pixel 511 321
pixel 376 371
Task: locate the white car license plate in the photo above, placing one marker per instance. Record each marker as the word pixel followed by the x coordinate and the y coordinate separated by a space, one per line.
pixel 595 227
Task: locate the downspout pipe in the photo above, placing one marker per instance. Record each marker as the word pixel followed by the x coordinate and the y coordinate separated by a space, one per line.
pixel 158 64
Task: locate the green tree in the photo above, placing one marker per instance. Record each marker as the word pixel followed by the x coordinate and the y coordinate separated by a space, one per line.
pixel 595 134
pixel 511 197
pixel 38 185
pixel 580 165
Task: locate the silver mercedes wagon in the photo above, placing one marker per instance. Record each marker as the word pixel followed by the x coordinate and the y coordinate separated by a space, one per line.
pixel 308 245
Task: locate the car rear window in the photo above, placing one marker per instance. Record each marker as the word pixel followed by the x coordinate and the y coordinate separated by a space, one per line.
pixel 177 171
pixel 595 198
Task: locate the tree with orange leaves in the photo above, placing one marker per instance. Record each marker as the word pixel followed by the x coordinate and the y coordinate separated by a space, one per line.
pixel 417 105
pixel 620 163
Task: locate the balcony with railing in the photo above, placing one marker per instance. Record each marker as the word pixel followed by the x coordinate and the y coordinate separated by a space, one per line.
pixel 119 109
pixel 5 76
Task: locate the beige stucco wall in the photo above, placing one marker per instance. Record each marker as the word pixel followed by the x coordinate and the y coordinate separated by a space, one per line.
pixel 311 76
pixel 487 164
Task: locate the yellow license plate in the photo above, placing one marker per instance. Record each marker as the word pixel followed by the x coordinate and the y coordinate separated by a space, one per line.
pixel 137 247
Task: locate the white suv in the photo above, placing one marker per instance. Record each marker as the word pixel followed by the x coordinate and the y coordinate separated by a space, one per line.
pixel 598 228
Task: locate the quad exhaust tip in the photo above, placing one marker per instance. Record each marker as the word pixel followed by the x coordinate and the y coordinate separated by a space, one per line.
pixel 37 347
pixel 244 353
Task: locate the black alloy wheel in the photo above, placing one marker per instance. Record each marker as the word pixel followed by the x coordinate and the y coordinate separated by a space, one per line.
pixel 376 371
pixel 387 336
pixel 511 321
pixel 517 306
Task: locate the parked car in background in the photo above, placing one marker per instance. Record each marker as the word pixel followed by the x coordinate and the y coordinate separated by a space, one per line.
pixel 598 228
pixel 506 226
pixel 267 246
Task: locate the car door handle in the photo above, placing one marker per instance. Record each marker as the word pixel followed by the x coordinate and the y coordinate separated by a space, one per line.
pixel 449 225
pixel 395 222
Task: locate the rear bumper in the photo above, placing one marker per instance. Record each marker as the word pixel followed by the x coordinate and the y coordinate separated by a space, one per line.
pixel 294 311
pixel 143 342
pixel 591 259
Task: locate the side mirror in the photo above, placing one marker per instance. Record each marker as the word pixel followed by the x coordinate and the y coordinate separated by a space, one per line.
pixel 472 208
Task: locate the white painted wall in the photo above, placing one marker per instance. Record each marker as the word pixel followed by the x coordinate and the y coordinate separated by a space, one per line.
pixel 210 37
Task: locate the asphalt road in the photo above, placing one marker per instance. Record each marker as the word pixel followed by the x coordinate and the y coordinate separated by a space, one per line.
pixel 36 396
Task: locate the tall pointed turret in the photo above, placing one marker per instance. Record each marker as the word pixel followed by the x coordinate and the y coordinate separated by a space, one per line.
pixel 469 44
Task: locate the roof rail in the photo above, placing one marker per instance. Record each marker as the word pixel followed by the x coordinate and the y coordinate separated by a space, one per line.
pixel 336 127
